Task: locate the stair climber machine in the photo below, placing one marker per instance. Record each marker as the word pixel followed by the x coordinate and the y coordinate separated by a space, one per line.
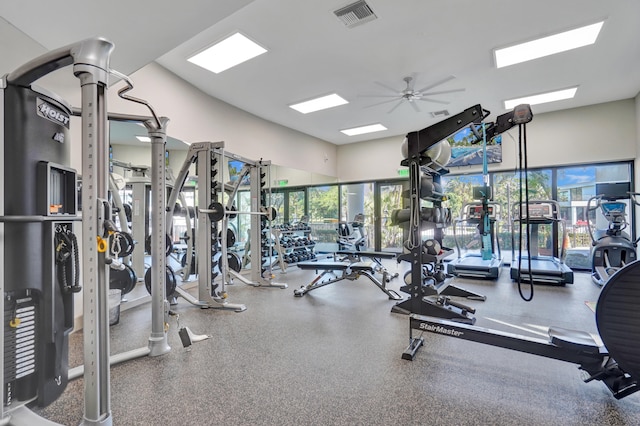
pixel 426 153
pixel 612 247
pixel 483 214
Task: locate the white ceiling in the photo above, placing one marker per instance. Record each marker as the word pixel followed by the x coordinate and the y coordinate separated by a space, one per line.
pixel 311 53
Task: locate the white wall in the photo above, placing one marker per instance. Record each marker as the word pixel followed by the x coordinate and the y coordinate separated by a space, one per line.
pixel 197 117
pixel 592 134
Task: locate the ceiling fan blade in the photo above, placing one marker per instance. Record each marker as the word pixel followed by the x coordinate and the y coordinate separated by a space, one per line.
pixel 395 106
pixel 415 106
pixel 380 103
pixel 388 87
pixel 442 92
pixel 378 96
pixel 434 100
pixel 438 83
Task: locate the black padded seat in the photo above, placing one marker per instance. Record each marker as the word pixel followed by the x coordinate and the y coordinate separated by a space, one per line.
pixel 618 317
pixel 362 266
pixel 376 254
pixel 323 266
pixel 573 339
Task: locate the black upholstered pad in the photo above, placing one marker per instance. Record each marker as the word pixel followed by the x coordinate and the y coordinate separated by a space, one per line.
pixel 618 317
pixel 323 266
pixel 376 254
pixel 362 266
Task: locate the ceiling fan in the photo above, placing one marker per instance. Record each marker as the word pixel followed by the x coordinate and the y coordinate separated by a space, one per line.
pixel 411 95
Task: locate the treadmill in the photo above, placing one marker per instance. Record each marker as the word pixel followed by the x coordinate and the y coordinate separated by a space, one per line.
pixel 487 263
pixel 545 269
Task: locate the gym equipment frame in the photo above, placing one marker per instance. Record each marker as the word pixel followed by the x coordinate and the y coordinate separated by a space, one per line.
pixel 616 363
pixel 261 217
pixel 90 59
pixel 419 162
pixel 209 158
pixel 431 296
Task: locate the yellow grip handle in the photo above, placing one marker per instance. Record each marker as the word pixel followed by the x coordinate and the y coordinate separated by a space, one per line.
pixel 102 244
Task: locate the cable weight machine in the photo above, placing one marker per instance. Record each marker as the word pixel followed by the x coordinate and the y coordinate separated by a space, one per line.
pixel 38 211
pixel 430 295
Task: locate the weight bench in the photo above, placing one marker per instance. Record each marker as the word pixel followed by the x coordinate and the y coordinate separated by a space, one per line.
pixel 342 271
pixel 375 256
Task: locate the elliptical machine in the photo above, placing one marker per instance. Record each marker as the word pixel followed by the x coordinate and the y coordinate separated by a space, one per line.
pixel 351 236
pixel 612 248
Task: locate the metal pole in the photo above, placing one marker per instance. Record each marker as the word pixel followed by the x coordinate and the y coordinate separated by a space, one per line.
pixel 158 344
pixel 95 171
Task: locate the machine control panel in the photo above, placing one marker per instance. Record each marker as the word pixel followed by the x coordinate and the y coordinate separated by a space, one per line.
pixel 540 211
pixel 473 211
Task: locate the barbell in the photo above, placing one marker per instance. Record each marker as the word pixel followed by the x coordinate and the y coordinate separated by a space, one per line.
pixel 216 212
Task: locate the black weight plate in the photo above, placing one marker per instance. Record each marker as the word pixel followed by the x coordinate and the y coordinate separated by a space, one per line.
pixel 231 237
pixel 130 244
pixel 170 283
pixel 123 280
pixel 127 212
pixel 234 262
pixel 168 245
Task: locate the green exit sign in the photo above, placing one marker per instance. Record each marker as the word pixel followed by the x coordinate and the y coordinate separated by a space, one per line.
pixel 403 172
pixel 283 182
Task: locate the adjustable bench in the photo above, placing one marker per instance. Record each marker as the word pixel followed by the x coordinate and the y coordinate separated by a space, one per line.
pixel 342 271
pixel 375 256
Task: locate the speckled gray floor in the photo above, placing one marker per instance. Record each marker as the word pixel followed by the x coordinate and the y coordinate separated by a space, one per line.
pixel 333 357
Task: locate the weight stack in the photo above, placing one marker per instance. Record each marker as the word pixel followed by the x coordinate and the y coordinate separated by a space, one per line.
pixel 39 197
pixel 265 245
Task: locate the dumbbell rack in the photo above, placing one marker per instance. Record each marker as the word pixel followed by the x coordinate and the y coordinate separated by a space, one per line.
pixel 286 252
pixel 430 295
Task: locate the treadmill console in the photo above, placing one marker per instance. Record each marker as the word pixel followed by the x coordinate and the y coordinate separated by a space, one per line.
pixel 472 212
pixel 539 211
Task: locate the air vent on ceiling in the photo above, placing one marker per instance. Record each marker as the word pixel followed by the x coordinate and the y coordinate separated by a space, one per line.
pixel 441 113
pixel 355 14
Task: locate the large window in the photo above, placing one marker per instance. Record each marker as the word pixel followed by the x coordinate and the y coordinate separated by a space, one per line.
pixel 391 236
pixel 323 212
pixel 576 186
pixel 572 187
pixel 357 199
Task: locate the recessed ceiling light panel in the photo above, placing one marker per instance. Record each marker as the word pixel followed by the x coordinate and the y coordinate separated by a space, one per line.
pixel 228 53
pixel 143 138
pixel 320 103
pixel 546 46
pixel 542 98
pixel 364 129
